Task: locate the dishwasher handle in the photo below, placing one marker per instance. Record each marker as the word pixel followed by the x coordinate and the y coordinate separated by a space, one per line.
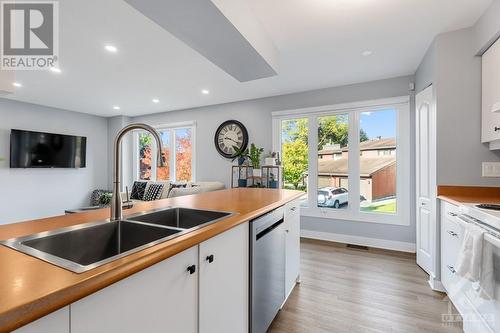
pixel 269 229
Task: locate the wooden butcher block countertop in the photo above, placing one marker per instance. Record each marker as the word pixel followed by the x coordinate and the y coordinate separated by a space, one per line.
pixel 31 288
pixel 458 195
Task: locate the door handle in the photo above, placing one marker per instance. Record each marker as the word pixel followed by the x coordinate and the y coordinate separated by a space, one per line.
pixel 210 258
pixel 191 269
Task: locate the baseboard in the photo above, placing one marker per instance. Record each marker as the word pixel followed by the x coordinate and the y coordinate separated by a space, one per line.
pixel 357 240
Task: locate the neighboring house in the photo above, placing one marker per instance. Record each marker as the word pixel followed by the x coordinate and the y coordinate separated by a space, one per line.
pixel 369 148
pixel 377 168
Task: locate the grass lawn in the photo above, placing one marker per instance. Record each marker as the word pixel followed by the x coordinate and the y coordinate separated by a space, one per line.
pixel 390 207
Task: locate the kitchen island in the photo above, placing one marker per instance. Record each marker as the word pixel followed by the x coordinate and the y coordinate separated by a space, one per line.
pixel 31 288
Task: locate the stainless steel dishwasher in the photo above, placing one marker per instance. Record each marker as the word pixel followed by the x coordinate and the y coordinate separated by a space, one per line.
pixel 267 269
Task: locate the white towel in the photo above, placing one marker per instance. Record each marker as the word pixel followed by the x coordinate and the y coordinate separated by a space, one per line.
pixel 486 284
pixel 469 262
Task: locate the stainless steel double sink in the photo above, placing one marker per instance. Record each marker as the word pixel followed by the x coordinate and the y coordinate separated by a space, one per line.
pixel 86 246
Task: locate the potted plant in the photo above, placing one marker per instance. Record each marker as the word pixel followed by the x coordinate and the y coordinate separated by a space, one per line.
pixel 240 155
pixel 254 156
pixel 105 199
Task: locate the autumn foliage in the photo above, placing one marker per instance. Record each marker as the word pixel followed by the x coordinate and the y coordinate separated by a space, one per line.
pixel 183 158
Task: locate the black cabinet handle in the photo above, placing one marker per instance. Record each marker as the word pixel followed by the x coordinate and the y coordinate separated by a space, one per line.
pixel 497 128
pixel 191 269
pixel 210 258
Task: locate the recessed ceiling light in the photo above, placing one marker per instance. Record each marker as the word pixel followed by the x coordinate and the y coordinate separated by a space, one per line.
pixel 205 92
pixel 367 53
pixel 116 107
pixel 156 100
pixel 111 48
pixel 17 84
pixel 55 69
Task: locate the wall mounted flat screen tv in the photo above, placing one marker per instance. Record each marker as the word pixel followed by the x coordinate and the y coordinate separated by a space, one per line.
pixel 46 150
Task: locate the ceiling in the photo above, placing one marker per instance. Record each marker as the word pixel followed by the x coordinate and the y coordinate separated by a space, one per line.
pixel 319 42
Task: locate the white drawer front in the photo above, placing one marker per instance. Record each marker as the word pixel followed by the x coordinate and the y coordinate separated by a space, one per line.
pixel 451 239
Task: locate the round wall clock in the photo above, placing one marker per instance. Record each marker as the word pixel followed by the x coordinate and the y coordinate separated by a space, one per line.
pixel 230 133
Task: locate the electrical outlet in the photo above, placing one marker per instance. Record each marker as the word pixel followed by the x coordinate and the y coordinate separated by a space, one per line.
pixel 491 169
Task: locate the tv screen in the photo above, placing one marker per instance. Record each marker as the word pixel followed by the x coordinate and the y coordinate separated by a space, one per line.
pixel 46 150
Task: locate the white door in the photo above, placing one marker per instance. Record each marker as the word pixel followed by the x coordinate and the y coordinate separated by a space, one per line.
pixel 426 179
pixel 292 253
pixel 224 282
pixel 161 298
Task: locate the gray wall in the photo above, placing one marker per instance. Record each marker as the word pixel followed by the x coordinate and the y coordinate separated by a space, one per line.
pixel 458 95
pixel 453 68
pixel 426 71
pixel 36 193
pixel 256 115
pixel 487 28
pixel 115 124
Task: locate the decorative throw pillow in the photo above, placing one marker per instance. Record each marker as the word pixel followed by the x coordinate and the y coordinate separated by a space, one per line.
pixel 138 190
pixel 175 185
pixel 154 192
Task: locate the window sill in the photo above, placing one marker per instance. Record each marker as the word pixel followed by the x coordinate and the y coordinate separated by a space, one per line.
pixel 348 215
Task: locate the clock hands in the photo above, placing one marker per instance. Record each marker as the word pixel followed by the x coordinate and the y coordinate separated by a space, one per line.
pixel 228 138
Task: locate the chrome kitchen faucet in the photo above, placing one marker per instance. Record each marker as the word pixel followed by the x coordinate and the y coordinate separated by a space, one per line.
pixel 116 203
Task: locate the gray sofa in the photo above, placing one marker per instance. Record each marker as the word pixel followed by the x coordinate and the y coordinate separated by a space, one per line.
pixel 191 188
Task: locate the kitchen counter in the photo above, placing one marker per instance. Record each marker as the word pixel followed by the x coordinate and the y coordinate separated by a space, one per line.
pixel 458 195
pixel 31 288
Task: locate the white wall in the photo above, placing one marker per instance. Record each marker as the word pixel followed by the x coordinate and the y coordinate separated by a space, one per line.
pixel 256 116
pixel 36 193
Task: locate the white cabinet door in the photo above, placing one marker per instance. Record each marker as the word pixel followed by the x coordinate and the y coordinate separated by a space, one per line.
pixel 491 93
pixel 161 298
pixel 426 181
pixel 292 253
pixel 56 322
pixel 224 282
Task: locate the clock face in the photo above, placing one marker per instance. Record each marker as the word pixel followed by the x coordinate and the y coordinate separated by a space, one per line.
pixel 229 134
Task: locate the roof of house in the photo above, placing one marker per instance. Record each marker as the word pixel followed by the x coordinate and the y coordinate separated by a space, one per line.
pixel 375 144
pixel 368 165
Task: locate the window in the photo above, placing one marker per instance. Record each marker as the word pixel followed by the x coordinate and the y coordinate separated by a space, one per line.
pixel 353 159
pixel 178 154
pixel 294 152
pixel 333 174
pixel 377 164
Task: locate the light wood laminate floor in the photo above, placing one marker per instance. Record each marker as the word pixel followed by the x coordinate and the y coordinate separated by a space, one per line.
pixel 353 290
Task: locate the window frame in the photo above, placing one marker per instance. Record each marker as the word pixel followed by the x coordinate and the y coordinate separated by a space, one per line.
pixel 354 110
pixel 172 160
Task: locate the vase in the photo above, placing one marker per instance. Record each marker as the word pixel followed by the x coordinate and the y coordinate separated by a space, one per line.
pixel 241 160
pixel 269 161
